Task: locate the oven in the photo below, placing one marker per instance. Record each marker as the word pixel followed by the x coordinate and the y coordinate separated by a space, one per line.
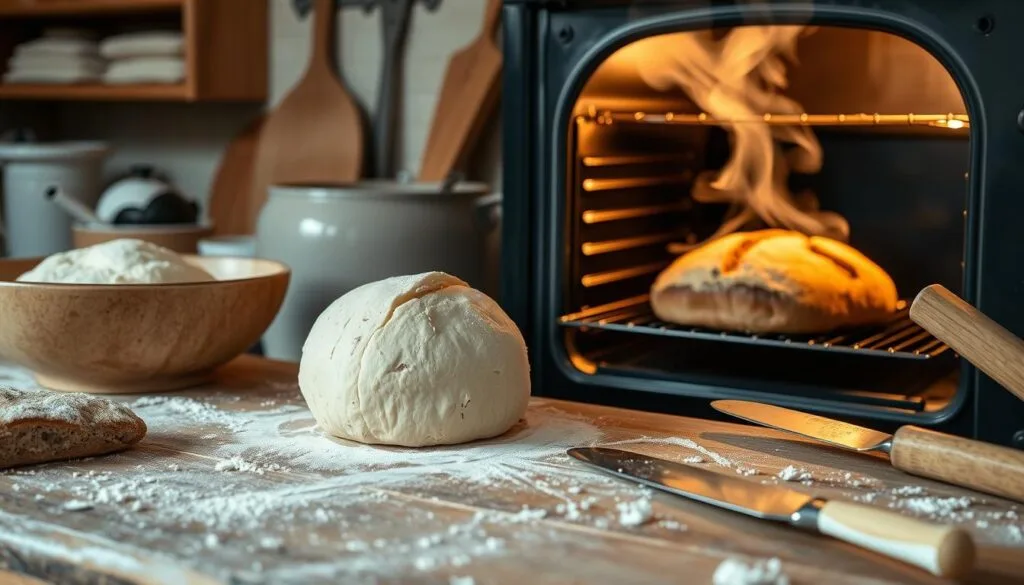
pixel 914 108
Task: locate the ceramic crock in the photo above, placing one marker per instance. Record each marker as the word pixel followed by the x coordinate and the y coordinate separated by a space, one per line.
pixel 33 225
pixel 336 238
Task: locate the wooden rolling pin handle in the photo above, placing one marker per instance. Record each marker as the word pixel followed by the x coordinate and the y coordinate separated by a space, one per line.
pixel 980 340
pixel 981 466
pixel 945 551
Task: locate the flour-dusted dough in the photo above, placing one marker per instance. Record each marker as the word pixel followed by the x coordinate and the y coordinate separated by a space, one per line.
pixel 774 281
pixel 122 261
pixel 415 361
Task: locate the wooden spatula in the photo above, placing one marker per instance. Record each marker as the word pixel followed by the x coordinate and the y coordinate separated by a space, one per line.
pixel 972 334
pixel 468 96
pixel 315 135
pixel 231 206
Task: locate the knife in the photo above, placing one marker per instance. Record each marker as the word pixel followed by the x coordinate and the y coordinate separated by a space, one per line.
pixel 945 551
pixel 973 464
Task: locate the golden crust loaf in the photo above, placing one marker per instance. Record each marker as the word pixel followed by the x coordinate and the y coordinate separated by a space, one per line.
pixel 774 281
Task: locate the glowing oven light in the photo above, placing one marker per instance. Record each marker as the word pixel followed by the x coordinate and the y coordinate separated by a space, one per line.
pixel 955 124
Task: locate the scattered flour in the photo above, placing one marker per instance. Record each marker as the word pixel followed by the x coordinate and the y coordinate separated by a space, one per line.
pixel 791 473
pixel 909 490
pixel 77 506
pixel 166 411
pixel 669 524
pixel 634 513
pixel 734 571
pixel 692 459
pixel 237 463
pixel 935 506
pixel 676 442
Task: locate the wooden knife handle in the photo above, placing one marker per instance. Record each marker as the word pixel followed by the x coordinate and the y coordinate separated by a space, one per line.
pixel 946 551
pixel 973 335
pixel 981 466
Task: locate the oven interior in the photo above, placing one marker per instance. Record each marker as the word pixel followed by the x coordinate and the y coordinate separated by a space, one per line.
pixel 893 131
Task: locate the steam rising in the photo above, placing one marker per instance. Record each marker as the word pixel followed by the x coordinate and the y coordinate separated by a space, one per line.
pixel 739 78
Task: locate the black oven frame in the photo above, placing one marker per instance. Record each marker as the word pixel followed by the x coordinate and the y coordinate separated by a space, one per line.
pixel 551 46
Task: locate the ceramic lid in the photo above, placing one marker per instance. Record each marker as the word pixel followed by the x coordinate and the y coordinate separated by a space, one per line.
pixel 51 151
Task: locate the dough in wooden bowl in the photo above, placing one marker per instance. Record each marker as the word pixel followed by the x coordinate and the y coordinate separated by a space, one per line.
pixel 774 281
pixel 39 426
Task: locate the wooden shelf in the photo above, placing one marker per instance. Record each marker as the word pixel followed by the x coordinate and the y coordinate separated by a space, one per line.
pixel 226 53
pixel 36 8
pixel 94 92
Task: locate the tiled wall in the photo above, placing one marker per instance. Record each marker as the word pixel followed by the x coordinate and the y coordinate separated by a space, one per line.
pixel 187 140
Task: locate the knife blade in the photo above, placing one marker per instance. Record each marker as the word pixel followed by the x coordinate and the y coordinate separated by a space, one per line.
pixel 960 461
pixel 945 551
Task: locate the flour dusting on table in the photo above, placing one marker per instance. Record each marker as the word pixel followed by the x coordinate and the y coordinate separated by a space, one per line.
pixel 735 571
pixel 270 499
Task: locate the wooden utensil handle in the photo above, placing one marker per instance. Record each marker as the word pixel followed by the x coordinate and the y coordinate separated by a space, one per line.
pixel 322 51
pixel 979 339
pixel 982 466
pixel 492 18
pixel 945 551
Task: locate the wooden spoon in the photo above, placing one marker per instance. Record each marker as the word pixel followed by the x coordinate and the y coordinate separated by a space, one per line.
pixel 973 335
pixel 468 96
pixel 315 135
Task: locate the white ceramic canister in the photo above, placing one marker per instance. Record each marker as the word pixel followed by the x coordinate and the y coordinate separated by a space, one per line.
pixel 32 224
pixel 335 239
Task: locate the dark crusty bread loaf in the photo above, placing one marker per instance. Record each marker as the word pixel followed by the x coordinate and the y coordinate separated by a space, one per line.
pixel 774 281
pixel 39 426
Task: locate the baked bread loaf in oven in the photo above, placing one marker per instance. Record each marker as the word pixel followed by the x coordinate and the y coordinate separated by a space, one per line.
pixel 774 281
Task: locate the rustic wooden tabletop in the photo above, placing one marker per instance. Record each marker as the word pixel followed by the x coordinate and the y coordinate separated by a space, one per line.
pixel 234 484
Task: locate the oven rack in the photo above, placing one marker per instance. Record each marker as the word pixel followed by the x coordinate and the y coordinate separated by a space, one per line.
pixel 948 120
pixel 899 338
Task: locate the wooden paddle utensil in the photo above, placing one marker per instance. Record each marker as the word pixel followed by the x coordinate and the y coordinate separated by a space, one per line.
pixel 972 334
pixel 315 135
pixel 468 97
pixel 231 206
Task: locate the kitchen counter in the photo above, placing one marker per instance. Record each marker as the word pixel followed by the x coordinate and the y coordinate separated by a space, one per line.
pixel 234 484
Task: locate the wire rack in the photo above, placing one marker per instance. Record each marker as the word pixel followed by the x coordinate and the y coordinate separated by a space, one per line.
pixel 950 120
pixel 898 338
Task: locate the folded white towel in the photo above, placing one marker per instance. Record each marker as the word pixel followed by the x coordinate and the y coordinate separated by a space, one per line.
pixel 57 46
pixel 143 44
pixel 33 61
pixel 56 76
pixel 145 70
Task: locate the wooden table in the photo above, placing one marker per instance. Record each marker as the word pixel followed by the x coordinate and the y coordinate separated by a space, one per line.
pixel 234 484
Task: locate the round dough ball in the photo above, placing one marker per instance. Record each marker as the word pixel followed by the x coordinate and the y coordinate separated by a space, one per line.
pixel 121 261
pixel 415 361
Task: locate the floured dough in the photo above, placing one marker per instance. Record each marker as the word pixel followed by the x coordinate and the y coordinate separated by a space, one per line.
pixel 415 361
pixel 123 261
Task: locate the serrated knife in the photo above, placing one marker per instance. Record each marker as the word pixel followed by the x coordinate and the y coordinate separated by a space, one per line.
pixel 945 551
pixel 964 462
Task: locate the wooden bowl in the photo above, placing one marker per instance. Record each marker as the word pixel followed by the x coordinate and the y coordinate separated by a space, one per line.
pixel 114 339
pixel 180 238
